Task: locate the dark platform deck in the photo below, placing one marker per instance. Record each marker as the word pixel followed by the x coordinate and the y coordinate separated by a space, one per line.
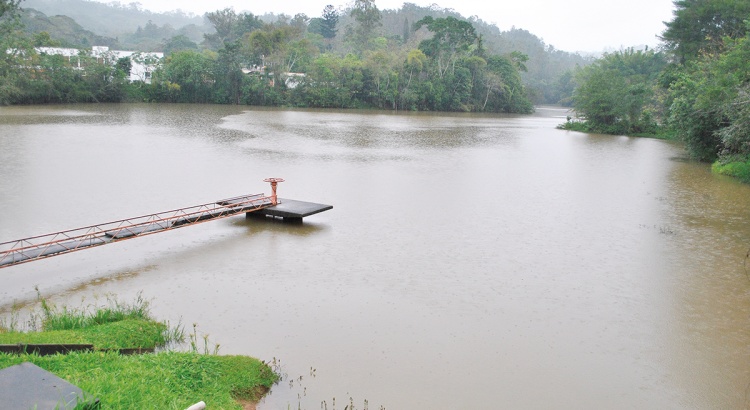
pixel 289 209
pixel 27 386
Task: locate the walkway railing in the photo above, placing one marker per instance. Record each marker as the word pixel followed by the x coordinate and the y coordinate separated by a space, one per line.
pixel 43 246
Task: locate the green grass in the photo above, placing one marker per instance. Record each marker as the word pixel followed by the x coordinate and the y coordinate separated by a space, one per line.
pixel 53 318
pixel 168 380
pixel 165 380
pixel 128 333
pixel 736 169
pixel 662 133
pixel 114 326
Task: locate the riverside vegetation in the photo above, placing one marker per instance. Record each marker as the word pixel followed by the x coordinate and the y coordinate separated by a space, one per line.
pixel 167 380
pixel 436 64
pixel 695 87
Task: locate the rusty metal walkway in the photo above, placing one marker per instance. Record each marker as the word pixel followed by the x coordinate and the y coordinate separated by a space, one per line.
pixel 43 246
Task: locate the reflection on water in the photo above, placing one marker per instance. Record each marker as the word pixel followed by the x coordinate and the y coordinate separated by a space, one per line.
pixel 470 261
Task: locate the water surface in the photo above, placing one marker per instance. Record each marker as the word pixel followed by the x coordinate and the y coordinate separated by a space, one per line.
pixel 470 261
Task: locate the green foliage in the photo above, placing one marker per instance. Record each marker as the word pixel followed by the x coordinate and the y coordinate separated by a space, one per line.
pixel 451 71
pixel 187 76
pixel 329 22
pixel 8 7
pixel 696 122
pixel 259 89
pixel 700 27
pixel 616 94
pixel 710 103
pixel 561 92
pixel 704 99
pixel 739 169
pixel 230 27
pixel 43 39
pixel 179 43
pixel 450 41
pixel 167 32
pixel 368 19
pixel 228 75
pixel 15 45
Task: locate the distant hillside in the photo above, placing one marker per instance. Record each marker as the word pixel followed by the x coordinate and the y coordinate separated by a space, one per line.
pixel 114 19
pixel 64 30
pixel 130 27
pixel 545 67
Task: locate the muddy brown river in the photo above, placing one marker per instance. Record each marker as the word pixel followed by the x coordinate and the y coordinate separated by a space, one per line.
pixel 469 262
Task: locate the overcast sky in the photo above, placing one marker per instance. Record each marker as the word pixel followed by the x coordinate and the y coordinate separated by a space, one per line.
pixel 572 25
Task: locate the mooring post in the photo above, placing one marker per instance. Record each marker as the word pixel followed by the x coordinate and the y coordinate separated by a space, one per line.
pixel 274 182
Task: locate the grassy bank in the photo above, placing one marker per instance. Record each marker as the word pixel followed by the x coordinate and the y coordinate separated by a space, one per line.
pixel 736 169
pixel 168 380
pixel 165 380
pixel 582 126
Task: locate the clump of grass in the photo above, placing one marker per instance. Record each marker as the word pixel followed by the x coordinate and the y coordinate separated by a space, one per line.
pixel 196 347
pixel 114 326
pixel 53 318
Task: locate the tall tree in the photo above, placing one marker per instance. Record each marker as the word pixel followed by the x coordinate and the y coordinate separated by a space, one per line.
pixel 700 26
pixel 228 75
pixel 229 27
pixel 192 72
pixel 223 22
pixel 330 21
pixel 179 43
pixel 8 7
pixel 12 46
pixel 451 38
pixel 368 19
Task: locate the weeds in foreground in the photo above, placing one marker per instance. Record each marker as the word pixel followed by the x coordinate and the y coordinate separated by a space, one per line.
pixel 10 324
pixel 115 325
pixel 53 318
pixel 299 386
pixel 194 343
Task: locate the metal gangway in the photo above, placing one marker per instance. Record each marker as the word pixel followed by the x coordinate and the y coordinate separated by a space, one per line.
pixel 58 243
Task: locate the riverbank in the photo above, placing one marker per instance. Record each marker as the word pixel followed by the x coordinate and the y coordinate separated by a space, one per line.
pixel 582 126
pixel 167 379
pixel 735 169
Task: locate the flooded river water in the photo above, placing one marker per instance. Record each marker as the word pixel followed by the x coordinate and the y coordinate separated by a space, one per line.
pixel 469 262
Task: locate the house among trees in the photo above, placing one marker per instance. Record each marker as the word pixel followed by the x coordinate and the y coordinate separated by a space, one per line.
pixel 141 64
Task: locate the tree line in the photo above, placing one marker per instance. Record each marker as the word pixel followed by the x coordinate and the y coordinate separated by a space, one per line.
pixel 437 64
pixel 695 87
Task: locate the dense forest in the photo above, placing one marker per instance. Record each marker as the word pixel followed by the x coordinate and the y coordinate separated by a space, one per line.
pixel 414 58
pixel 696 87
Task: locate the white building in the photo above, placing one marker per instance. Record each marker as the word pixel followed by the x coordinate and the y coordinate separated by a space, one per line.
pixel 143 64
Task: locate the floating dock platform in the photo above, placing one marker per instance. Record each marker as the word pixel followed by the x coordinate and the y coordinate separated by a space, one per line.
pixel 290 210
